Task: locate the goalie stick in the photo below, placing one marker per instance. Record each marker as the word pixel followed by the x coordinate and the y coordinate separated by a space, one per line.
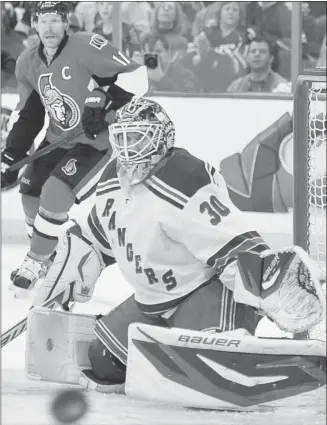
pixel 44 151
pixel 21 326
pixel 39 153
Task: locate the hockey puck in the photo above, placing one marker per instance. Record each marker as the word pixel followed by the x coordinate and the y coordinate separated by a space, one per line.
pixel 49 344
pixel 69 406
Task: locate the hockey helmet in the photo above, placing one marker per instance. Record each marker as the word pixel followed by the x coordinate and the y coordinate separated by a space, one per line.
pixel 44 7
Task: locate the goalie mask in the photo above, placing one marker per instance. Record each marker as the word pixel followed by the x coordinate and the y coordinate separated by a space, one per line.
pixel 141 135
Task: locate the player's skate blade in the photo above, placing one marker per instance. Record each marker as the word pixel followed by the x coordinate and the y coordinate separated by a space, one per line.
pixel 90 382
pixel 18 292
pixel 26 277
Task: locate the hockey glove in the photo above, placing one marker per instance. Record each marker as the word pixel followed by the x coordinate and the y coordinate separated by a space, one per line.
pixel 97 105
pixel 287 286
pixel 75 269
pixel 8 178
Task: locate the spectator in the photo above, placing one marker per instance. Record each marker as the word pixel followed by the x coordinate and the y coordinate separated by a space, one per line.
pixel 167 20
pixel 169 74
pixel 314 28
pixel 11 17
pixel 271 18
pixel 85 12
pixel 11 47
pixel 227 26
pixel 214 71
pixel 217 55
pixel 204 16
pixel 190 10
pixel 261 78
pixel 137 14
pixel 322 55
pixel 104 26
pixel 225 34
pixel 73 24
pixel 274 20
pixel 8 65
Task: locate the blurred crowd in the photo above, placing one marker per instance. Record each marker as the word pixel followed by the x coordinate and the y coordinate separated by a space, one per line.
pixel 193 47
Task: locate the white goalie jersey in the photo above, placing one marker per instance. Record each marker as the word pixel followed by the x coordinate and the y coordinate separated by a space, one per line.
pixel 173 233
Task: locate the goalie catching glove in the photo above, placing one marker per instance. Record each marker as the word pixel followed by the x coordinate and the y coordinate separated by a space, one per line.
pixel 75 269
pixel 286 285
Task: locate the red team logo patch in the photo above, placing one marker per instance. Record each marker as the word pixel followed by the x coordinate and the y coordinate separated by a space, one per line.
pixel 62 109
pixel 70 168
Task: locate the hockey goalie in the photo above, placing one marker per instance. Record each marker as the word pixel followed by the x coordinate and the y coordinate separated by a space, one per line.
pixel 202 278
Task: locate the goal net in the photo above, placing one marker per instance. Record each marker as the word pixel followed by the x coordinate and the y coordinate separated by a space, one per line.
pixel 316 231
pixel 310 164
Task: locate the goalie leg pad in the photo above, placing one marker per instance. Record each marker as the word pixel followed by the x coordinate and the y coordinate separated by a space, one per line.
pixel 57 345
pixel 223 371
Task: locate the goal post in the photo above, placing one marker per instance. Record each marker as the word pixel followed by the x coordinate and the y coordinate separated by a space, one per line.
pixel 309 214
pixel 309 167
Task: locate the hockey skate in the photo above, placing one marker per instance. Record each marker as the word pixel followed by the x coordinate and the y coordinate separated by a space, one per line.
pixel 14 272
pixel 91 383
pixel 24 279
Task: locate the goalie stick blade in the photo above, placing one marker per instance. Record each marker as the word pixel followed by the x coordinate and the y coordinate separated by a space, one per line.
pixel 21 326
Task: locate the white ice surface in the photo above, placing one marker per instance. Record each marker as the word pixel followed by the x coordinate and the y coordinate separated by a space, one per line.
pixel 26 402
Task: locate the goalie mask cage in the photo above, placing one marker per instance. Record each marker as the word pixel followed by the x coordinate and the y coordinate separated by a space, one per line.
pixel 310 164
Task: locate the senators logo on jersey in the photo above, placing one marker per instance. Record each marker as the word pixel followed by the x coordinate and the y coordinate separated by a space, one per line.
pixel 70 168
pixel 62 109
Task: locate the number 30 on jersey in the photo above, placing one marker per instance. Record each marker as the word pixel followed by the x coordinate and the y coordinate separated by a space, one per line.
pixel 215 209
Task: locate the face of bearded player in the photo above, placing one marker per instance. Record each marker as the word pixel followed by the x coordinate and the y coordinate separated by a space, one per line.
pixel 51 28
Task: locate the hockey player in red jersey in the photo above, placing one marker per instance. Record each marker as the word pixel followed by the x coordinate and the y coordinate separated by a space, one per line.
pixel 193 259
pixel 67 77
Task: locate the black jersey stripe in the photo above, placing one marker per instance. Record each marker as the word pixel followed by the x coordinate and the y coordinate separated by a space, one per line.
pixel 97 229
pixel 109 189
pixel 52 220
pixel 163 196
pixel 97 235
pixel 211 171
pixel 96 221
pixel 222 262
pixel 244 242
pixel 169 190
pixel 237 240
pixel 87 194
pixel 44 235
pixel 110 182
pixel 110 172
pixel 107 259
